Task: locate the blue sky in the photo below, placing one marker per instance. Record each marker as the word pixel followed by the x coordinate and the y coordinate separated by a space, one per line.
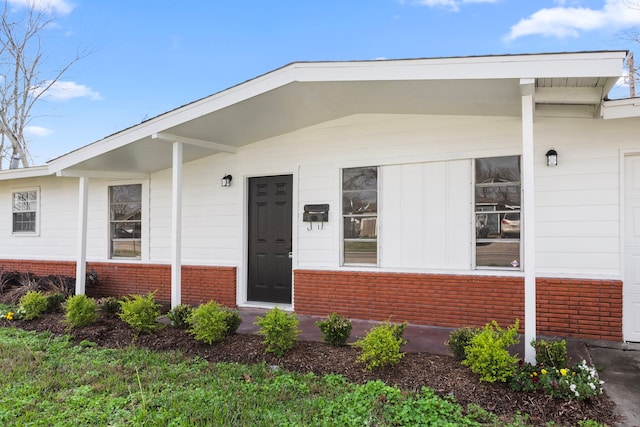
pixel 148 57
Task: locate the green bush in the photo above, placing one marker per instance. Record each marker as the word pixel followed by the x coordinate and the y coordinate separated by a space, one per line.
pixel 209 323
pixel 279 329
pixel 110 306
pixel 550 353
pixel 233 320
pixel 140 312
pixel 459 340
pixel 488 354
pixel 80 310
pixel 381 345
pixel 33 304
pixel 54 301
pixel 335 329
pixel 179 315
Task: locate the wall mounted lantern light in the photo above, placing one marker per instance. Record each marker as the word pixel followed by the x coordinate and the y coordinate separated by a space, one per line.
pixel 552 158
pixel 226 181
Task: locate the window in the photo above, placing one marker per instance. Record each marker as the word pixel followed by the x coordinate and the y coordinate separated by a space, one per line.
pixel 497 212
pixel 125 220
pixel 360 215
pixel 25 211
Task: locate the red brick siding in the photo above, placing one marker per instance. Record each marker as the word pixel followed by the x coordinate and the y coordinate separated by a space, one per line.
pixel 199 283
pixel 566 307
pixel 590 309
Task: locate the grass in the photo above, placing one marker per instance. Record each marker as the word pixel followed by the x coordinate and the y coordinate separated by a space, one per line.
pixel 48 381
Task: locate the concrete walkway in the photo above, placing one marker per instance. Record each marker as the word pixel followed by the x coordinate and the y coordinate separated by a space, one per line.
pixel 619 367
pixel 431 339
pixel 618 363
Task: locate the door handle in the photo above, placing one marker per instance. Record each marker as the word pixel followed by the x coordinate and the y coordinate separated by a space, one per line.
pixel 290 255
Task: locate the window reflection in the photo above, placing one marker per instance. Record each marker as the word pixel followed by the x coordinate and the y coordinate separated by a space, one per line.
pixel 125 212
pixel 359 212
pixel 497 212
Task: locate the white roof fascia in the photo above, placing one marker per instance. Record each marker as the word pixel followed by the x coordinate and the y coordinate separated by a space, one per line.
pixel 582 64
pixel 621 108
pixel 589 64
pixel 31 172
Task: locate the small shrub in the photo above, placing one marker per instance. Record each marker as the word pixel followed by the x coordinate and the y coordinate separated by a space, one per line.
pixel 80 310
pixel 398 329
pixel 33 304
pixel 335 329
pixel 140 312
pixel 179 315
pixel 279 329
pixel 550 353
pixel 209 323
pixel 110 306
pixel 233 320
pixel 54 301
pixel 459 340
pixel 381 345
pixel 488 354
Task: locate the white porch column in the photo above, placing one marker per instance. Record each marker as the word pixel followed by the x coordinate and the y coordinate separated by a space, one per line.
pixel 81 257
pixel 176 226
pixel 527 88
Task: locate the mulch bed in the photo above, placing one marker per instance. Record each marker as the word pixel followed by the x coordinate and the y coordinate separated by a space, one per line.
pixel 443 374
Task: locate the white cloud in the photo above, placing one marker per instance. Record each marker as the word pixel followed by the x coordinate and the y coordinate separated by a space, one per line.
pixel 452 5
pixel 37 131
pixel 64 91
pixel 62 7
pixel 563 22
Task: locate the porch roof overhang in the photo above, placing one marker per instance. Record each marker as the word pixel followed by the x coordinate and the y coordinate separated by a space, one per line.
pixel 32 172
pixel 303 94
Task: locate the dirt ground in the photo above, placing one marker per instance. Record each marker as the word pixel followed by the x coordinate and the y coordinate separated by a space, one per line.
pixel 444 374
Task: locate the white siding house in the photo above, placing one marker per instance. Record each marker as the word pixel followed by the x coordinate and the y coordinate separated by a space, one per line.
pixel 435 177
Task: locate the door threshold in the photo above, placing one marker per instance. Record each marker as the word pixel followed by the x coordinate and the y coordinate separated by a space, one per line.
pixel 266 305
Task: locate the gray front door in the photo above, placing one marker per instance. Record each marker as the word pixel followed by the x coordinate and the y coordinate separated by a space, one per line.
pixel 269 266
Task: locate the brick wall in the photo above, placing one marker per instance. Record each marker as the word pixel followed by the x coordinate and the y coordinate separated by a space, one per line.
pixel 199 283
pixel 573 308
pixel 590 309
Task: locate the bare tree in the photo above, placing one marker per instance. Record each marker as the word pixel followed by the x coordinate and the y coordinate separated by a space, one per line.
pixel 22 76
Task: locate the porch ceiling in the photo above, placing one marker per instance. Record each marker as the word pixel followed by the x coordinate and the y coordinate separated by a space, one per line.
pixel 302 95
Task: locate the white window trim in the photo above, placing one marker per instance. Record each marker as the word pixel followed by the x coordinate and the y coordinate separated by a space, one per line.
pixel 38 210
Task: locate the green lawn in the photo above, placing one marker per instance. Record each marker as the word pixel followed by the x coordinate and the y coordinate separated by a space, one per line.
pixel 48 381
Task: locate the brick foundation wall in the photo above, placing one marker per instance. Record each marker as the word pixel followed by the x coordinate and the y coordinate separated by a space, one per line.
pixel 199 283
pixel 589 309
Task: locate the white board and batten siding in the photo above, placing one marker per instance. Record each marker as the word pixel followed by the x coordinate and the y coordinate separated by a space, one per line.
pixel 425 220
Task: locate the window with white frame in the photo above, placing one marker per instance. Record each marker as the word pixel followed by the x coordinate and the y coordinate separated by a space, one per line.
pixel 125 220
pixel 25 211
pixel 497 212
pixel 360 215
